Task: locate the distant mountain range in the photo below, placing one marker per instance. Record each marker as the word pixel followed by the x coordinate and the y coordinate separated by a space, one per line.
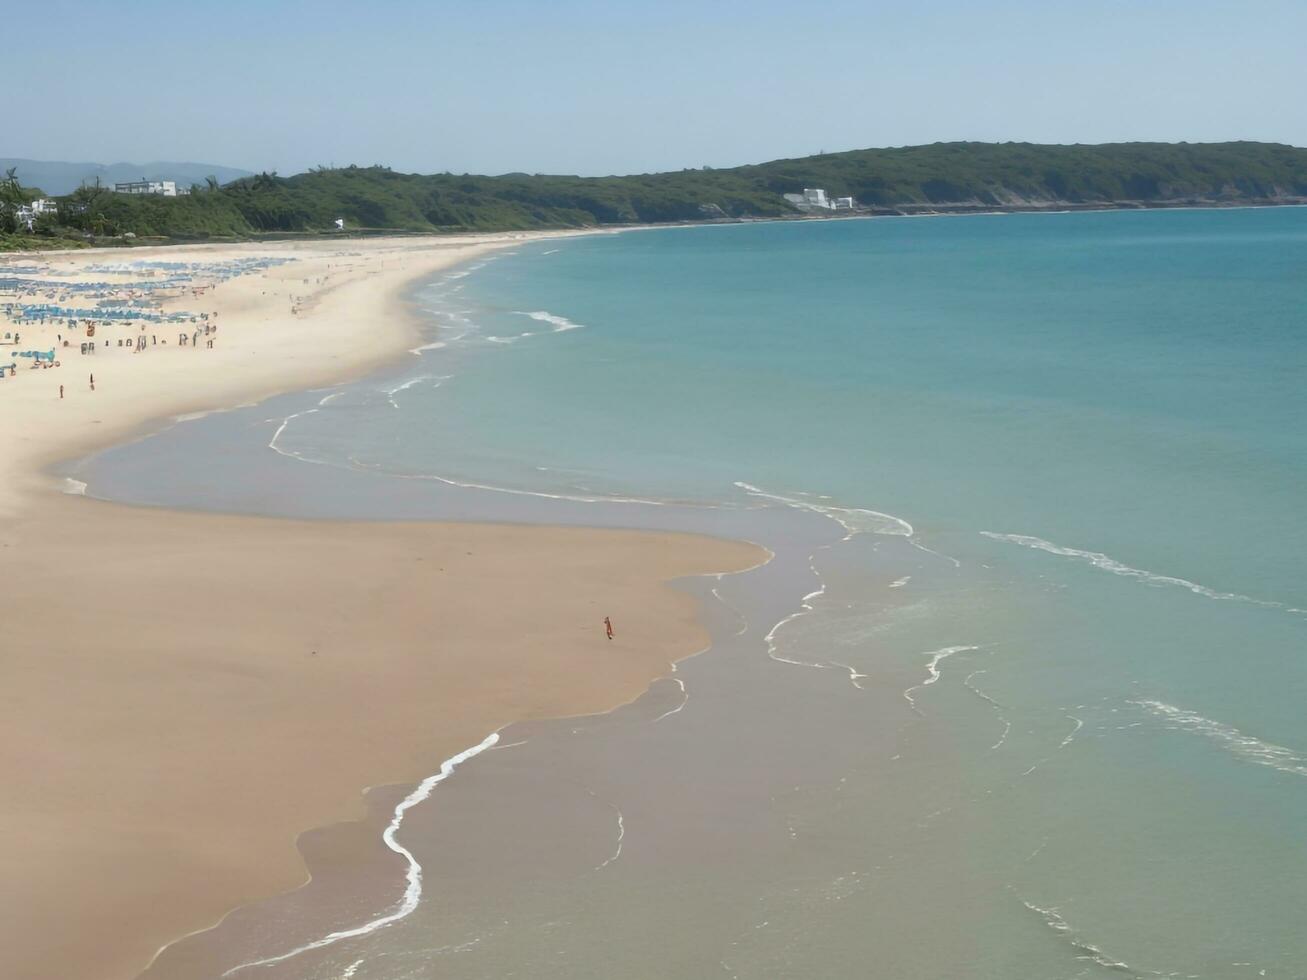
pixel 60 177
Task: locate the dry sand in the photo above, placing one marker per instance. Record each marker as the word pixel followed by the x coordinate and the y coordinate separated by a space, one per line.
pixel 184 693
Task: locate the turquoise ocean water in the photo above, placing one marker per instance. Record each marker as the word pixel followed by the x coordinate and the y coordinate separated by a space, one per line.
pixel 1051 678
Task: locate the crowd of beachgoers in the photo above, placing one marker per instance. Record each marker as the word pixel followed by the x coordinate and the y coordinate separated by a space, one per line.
pixel 49 316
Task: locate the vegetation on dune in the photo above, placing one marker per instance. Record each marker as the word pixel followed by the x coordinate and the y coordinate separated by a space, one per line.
pixel 941 176
pixel 35 243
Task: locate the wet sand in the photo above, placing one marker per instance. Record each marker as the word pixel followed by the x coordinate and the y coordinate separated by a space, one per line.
pixel 185 693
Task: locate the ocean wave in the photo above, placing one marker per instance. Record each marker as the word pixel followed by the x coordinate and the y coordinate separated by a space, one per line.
pixel 855 675
pixel 685 699
pixel 390 393
pixel 1086 950
pixel 998 708
pixel 1070 737
pixel 75 487
pixel 195 416
pixel 468 485
pixel 413 876
pixel 1237 743
pixel 621 832
pixel 434 345
pixel 276 436
pixel 559 323
pixel 854 520
pixel 932 670
pixel 1108 564
pixel 805 607
pixel 353 463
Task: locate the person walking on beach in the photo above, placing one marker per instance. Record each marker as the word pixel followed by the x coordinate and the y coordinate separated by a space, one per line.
pixel 61 391
pixel 608 627
pixel 93 381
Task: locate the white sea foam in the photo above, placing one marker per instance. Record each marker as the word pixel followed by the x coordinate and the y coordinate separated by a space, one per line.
pixel 413 890
pixel 1085 950
pixel 434 345
pixel 855 675
pixel 550 252
pixel 194 416
pixel 998 708
pixel 932 670
pixel 685 699
pixel 854 520
pixel 899 583
pixel 351 969
pixel 1242 746
pixel 1072 734
pixel 1037 851
pixel 577 498
pixel 744 623
pixel 621 836
pixel 75 487
pixel 1107 564
pixel 435 379
pixel 805 606
pixel 559 323
pixel 272 443
pixel 354 463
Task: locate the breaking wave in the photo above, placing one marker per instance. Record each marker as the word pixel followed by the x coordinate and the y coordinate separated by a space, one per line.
pixel 559 323
pixel 1108 564
pixel 854 520
pixel 1237 743
pixel 413 890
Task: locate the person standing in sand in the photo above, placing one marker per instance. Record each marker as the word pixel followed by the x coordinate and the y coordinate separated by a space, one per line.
pixel 608 627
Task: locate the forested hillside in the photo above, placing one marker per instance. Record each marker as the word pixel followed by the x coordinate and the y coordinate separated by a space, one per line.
pixel 941 176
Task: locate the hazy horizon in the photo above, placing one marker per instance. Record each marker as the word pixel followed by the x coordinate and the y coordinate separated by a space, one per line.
pixel 590 88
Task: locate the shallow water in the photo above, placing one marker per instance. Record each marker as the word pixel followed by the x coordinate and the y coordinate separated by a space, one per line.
pixel 1040 480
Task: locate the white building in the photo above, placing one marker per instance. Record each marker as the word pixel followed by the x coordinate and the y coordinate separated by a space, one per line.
pixel 168 188
pixel 816 197
pixel 44 205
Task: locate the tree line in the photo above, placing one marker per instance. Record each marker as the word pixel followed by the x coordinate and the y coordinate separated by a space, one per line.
pixel 951 176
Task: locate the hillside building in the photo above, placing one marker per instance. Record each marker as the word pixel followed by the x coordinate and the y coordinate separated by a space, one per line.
pixel 26 214
pixel 167 188
pixel 815 199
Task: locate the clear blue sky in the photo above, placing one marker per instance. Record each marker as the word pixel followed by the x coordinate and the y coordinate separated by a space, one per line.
pixel 580 86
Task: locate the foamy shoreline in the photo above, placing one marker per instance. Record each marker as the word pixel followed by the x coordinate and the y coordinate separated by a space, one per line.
pixel 172 666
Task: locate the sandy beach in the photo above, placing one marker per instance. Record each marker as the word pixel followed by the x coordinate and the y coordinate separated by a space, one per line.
pixel 185 693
